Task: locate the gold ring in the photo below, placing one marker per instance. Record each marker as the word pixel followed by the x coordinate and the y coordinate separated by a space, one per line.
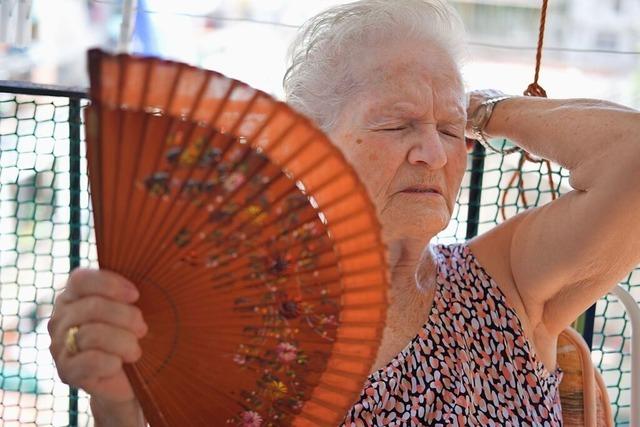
pixel 70 342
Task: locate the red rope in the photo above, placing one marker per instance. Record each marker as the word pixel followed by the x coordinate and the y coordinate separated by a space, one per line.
pixel 534 88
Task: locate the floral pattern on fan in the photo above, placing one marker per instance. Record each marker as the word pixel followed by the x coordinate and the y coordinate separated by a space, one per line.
pixel 277 395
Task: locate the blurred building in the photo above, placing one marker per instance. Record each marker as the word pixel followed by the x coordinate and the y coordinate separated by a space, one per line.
pixel 602 25
pixel 232 36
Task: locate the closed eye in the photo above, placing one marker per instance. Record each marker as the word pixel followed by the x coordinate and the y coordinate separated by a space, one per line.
pixel 392 129
pixel 450 133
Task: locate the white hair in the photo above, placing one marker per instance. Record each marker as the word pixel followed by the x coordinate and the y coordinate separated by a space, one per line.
pixel 318 79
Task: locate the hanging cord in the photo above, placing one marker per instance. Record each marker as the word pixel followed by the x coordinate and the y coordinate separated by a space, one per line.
pixel 534 89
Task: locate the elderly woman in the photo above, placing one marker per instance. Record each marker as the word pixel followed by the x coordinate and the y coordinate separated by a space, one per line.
pixel 472 327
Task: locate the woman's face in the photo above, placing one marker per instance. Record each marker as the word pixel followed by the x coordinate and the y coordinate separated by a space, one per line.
pixel 404 134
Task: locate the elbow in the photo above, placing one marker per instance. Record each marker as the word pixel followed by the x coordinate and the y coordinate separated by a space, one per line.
pixel 630 132
pixel 616 166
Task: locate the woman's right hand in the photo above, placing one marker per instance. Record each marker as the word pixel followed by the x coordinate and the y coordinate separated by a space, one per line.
pixel 100 304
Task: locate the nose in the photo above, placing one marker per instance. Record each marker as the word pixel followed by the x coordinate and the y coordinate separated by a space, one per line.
pixel 428 149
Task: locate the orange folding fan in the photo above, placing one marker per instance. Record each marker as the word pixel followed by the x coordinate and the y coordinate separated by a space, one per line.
pixel 255 247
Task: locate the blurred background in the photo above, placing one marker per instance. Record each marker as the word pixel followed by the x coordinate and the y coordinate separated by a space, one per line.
pixel 592 49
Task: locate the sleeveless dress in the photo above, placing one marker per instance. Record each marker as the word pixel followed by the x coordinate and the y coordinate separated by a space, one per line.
pixel 469 365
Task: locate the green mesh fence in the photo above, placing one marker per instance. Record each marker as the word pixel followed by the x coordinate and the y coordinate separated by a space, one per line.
pixel 46 230
pixel 37 252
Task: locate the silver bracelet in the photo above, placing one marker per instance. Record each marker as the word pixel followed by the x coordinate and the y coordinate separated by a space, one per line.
pixel 480 119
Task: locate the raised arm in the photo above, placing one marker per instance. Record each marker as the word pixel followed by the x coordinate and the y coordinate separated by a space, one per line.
pixel 570 252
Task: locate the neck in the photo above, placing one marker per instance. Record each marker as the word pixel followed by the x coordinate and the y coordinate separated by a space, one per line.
pixel 412 267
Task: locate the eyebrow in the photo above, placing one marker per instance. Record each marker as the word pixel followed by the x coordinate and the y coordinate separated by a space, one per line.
pixel 457 114
pixel 454 112
pixel 385 107
pixel 450 114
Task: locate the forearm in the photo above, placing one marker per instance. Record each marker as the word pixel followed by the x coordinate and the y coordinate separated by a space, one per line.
pixel 116 414
pixel 578 134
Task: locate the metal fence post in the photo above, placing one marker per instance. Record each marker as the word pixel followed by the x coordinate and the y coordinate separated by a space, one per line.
pixel 74 226
pixel 587 331
pixel 475 189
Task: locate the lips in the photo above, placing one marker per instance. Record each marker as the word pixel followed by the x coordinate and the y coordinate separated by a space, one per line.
pixel 435 190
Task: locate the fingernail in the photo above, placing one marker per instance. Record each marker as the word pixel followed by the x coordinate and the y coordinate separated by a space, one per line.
pixel 132 290
pixel 144 329
pixel 135 293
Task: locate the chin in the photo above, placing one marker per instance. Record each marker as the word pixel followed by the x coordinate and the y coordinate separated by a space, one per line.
pixel 412 221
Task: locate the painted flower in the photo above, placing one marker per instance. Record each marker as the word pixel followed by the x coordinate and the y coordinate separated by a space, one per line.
pixel 158 183
pixel 182 238
pixel 329 320
pixel 173 153
pixel 250 419
pixel 233 181
pixel 240 359
pixel 256 212
pixel 210 156
pixel 286 352
pixel 278 264
pixel 191 152
pixel 212 261
pixel 289 309
pixel 276 389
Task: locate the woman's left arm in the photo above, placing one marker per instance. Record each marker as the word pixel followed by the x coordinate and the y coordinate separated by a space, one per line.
pixel 570 252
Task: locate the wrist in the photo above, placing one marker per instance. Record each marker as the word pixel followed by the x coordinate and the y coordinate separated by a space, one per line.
pixel 489 119
pixel 493 128
pixel 482 114
pixel 109 413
